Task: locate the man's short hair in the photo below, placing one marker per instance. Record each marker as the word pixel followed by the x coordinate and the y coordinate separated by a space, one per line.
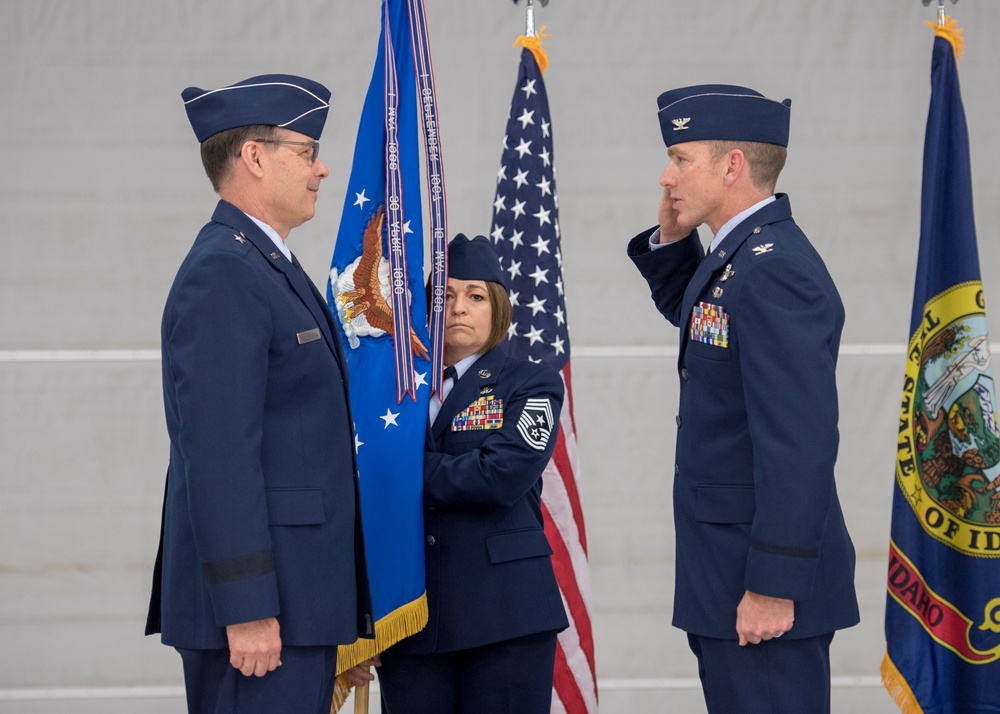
pixel 219 151
pixel 765 160
pixel 501 313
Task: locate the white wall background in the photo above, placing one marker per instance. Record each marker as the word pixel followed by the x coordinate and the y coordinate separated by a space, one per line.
pixel 102 192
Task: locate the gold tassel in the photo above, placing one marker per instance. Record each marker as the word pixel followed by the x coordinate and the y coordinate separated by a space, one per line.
pixel 951 32
pixel 534 45
pixel 401 622
pixel 898 689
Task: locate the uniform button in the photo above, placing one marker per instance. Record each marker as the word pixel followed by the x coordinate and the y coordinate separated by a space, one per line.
pixel 678 419
pixel 431 540
pixel 684 373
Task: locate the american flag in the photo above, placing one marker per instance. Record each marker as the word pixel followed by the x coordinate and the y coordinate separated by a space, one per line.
pixel 526 235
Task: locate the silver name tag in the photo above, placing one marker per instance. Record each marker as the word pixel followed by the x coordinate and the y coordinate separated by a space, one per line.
pixel 308 336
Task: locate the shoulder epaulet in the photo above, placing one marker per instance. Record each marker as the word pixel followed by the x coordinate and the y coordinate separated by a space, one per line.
pixel 759 245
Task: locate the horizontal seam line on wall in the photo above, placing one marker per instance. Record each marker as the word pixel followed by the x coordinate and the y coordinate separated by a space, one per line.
pixel 581 352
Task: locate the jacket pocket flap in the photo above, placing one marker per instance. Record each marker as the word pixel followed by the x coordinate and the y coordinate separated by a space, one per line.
pixel 515 545
pixel 295 506
pixel 725 504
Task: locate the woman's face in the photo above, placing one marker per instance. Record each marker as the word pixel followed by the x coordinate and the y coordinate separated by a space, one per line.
pixel 468 319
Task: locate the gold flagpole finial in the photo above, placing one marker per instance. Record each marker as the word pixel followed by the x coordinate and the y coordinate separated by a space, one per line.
pixel 947 28
pixel 532 40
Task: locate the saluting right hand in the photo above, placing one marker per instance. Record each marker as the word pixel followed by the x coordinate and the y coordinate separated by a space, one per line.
pixel 670 230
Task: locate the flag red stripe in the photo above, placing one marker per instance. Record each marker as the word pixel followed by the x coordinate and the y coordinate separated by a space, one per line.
pixel 561 458
pixel 565 685
pixel 570 587
pixel 565 465
pixel 567 375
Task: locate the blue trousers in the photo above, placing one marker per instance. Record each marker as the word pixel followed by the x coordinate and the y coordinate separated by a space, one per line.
pixel 508 677
pixel 303 684
pixel 777 676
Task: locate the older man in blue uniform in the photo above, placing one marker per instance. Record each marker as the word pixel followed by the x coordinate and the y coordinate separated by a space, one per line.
pixel 762 549
pixel 261 572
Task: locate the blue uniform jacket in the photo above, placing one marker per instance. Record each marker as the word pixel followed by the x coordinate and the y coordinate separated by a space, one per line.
pixel 755 503
pixel 261 515
pixel 489 565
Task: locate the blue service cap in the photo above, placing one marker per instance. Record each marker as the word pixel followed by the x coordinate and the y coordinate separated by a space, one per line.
pixel 723 112
pixel 284 100
pixel 473 259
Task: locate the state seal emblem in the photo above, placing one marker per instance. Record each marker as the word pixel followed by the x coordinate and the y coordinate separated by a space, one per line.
pixel 948 453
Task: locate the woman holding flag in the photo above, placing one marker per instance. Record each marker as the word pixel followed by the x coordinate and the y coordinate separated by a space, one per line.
pixel 495 607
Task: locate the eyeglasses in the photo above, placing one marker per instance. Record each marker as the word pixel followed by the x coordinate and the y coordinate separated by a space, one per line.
pixel 314 145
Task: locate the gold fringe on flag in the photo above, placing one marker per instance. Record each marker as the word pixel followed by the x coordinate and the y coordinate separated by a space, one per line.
pixel 534 45
pixel 398 624
pixel 951 32
pixel 898 689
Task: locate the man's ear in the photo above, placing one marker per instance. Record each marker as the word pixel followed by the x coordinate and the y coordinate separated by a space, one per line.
pixel 736 166
pixel 252 157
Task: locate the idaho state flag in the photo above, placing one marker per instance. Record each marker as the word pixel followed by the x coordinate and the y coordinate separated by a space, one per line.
pixel 376 293
pixel 942 620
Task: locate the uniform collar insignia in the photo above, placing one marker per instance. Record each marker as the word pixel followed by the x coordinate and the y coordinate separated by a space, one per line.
pixel 761 249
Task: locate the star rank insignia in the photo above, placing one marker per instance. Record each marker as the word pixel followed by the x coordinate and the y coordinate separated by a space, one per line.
pixel 761 249
pixel 536 423
pixel 240 238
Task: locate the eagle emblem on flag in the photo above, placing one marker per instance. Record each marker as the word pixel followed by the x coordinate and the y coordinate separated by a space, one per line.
pixel 363 292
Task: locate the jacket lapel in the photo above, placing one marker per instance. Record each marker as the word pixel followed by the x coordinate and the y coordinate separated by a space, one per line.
pixel 229 215
pixel 723 254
